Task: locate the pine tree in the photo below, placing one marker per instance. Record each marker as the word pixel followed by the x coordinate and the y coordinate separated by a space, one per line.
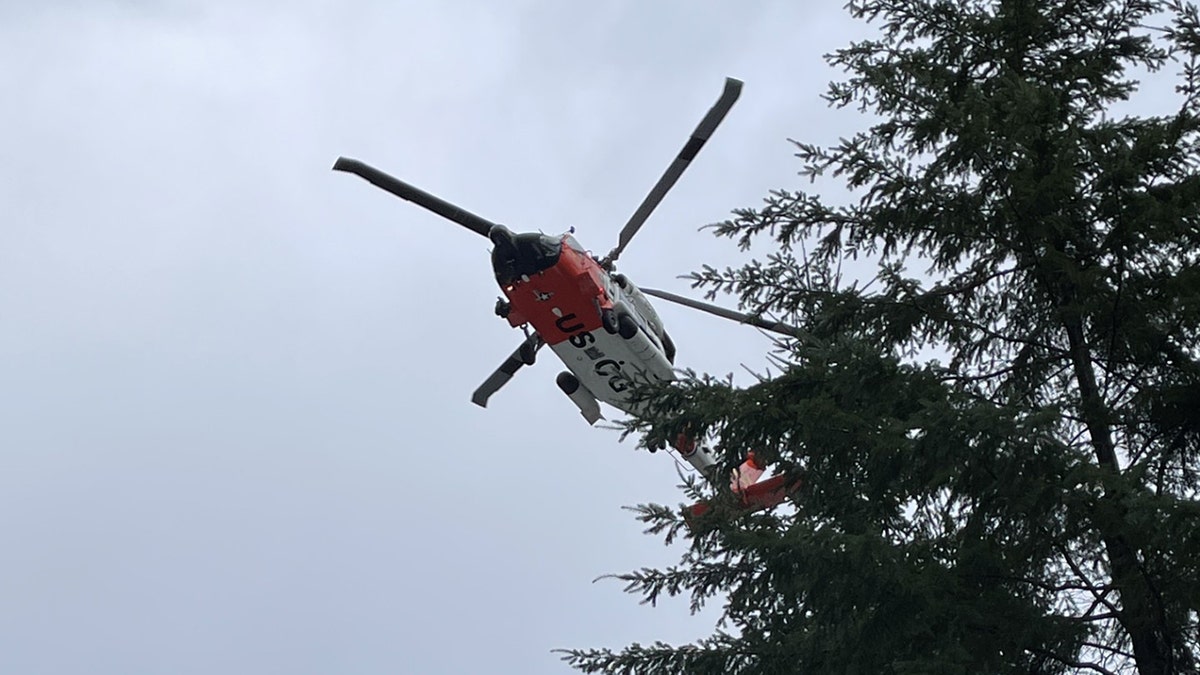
pixel 997 437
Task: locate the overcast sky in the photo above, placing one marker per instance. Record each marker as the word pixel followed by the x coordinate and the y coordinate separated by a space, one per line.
pixel 235 428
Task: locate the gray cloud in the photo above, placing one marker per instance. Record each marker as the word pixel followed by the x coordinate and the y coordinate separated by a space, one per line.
pixel 235 433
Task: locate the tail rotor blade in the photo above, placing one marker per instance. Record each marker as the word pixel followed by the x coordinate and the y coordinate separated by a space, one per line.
pixel 415 195
pixel 505 372
pixel 773 326
pixel 729 96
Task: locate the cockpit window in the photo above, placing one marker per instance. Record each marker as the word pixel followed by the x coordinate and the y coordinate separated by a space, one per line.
pixel 574 244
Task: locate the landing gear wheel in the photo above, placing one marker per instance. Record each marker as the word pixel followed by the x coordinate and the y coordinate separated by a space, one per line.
pixel 567 382
pixel 608 318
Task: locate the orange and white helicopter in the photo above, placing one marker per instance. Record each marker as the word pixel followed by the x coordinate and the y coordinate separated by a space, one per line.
pixel 594 319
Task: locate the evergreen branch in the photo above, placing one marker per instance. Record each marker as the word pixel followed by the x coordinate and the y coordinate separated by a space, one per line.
pixel 1073 663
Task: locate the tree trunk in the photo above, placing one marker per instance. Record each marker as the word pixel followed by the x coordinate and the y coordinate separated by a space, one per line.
pixel 1139 608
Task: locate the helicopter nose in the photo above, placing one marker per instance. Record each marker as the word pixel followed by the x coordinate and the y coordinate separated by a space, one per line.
pixel 520 255
pixel 502 237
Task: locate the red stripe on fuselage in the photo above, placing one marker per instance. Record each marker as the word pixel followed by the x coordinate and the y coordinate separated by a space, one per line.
pixel 561 301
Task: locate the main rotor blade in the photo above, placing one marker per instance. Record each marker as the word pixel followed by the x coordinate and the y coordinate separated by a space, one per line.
pixel 506 371
pixel 773 326
pixel 415 195
pixel 733 88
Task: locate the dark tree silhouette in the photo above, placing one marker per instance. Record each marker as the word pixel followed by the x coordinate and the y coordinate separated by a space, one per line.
pixel 998 449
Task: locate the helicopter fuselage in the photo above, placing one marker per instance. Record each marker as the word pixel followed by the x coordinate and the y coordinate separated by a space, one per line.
pixel 599 324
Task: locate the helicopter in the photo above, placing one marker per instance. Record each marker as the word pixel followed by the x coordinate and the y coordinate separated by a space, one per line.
pixel 595 319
